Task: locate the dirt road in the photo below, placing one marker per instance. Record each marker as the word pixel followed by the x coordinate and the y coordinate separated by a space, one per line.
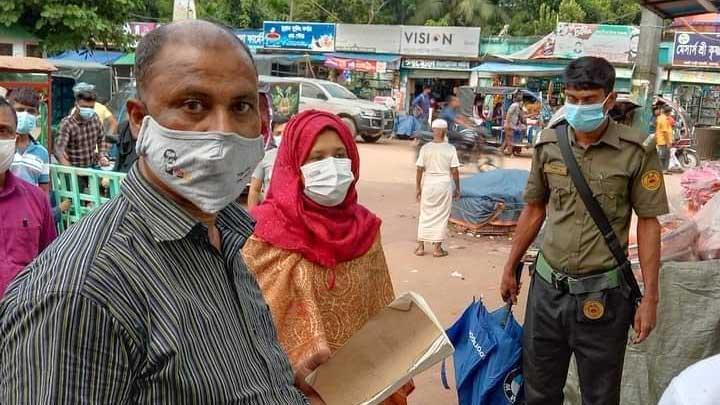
pixel 387 186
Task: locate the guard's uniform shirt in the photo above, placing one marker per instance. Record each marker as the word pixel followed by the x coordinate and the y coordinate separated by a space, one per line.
pixel 623 175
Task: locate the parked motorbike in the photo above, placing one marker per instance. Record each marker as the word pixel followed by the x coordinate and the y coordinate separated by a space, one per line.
pixel 685 154
pixel 470 145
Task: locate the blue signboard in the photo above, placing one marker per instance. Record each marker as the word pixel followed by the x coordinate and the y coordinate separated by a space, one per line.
pixel 319 37
pixel 697 49
pixel 252 38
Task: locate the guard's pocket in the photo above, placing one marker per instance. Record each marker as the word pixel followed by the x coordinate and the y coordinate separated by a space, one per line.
pixel 595 307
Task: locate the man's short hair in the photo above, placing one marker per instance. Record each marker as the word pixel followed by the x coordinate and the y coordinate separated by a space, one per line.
pixel 667 109
pixel 4 103
pixel 86 96
pixel 590 73
pixel 151 44
pixel 451 98
pixel 25 95
pixel 427 87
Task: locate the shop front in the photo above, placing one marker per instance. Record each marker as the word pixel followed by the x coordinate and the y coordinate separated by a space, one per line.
pixel 695 76
pixel 443 77
pixel 367 75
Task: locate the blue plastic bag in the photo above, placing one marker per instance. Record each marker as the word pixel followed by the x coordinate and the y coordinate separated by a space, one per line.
pixel 488 356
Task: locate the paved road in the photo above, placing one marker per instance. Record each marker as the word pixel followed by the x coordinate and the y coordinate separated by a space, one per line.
pixel 387 187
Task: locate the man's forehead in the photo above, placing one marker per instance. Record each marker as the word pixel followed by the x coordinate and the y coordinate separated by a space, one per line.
pixel 200 63
pixel 584 92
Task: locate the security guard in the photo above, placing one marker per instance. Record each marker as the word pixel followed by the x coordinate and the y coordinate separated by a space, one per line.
pixel 568 310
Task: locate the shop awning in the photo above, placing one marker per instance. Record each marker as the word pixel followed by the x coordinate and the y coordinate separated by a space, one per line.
pixel 25 64
pixel 680 8
pixel 126 60
pixel 520 69
pixel 101 57
pixel 378 57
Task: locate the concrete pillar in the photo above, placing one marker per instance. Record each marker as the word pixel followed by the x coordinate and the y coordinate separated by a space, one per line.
pixel 645 76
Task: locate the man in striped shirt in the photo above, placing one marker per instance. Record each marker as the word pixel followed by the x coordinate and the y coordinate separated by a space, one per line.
pixel 147 300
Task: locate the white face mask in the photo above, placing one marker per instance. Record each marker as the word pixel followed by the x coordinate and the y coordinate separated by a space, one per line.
pixel 209 169
pixel 7 154
pixel 277 139
pixel 328 181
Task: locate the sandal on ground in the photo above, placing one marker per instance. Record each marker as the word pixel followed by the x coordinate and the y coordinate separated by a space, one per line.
pixel 420 252
pixel 441 253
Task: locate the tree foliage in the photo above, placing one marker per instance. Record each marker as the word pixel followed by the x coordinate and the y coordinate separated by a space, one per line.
pixel 75 24
pixel 71 24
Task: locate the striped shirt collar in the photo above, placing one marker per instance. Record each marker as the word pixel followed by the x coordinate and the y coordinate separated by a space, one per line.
pixel 168 221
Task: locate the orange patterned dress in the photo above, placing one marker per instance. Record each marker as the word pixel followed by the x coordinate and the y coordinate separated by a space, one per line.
pixel 313 306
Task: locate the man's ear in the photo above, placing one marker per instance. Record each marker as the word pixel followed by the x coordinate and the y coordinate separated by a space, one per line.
pixel 612 97
pixel 136 111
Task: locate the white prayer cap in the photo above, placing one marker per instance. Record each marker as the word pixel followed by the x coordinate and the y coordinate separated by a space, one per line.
pixel 439 124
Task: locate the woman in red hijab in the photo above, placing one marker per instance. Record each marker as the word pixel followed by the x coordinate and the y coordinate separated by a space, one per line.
pixel 316 252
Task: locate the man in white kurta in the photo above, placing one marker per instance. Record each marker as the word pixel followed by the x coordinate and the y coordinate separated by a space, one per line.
pixel 437 170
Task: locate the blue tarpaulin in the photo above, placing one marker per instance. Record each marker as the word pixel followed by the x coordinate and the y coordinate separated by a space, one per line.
pixel 480 195
pixel 102 57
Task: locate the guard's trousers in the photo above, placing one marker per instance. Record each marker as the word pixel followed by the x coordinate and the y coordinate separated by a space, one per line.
pixel 555 328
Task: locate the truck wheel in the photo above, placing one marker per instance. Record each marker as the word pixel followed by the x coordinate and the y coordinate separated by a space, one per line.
pixel 371 138
pixel 351 125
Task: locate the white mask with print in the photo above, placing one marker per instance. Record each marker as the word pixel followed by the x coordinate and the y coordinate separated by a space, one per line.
pixel 209 169
pixel 327 181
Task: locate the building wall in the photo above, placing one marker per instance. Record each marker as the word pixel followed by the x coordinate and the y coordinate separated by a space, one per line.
pixel 19 46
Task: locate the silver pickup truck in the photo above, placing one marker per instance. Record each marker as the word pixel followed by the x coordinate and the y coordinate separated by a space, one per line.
pixel 369 120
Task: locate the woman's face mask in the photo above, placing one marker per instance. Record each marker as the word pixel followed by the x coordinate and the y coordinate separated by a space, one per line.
pixel 327 181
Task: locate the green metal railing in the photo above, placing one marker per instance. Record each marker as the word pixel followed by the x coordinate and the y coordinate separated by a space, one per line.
pixel 98 187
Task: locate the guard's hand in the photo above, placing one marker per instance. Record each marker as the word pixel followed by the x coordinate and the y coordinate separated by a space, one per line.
pixel 645 318
pixel 305 368
pixel 103 161
pixel 509 287
pixel 418 195
pixel 456 194
pixel 105 182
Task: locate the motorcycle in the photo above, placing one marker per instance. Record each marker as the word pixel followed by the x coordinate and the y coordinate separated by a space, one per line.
pixel 470 145
pixel 683 155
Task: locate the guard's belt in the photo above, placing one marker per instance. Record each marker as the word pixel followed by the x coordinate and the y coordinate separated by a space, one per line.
pixel 588 284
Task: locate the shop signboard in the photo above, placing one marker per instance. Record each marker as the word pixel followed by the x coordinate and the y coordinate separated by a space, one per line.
pixel 428 64
pixel 355 65
pixel 697 49
pixel 694 76
pixel 616 43
pixel 368 38
pixel 254 39
pixel 317 37
pixel 461 42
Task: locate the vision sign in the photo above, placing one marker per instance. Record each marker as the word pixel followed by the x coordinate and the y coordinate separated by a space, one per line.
pixel 440 41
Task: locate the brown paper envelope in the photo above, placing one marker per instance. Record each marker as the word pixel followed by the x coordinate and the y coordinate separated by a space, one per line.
pixel 377 356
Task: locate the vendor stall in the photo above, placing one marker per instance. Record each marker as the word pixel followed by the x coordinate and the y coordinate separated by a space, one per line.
pixel 17 71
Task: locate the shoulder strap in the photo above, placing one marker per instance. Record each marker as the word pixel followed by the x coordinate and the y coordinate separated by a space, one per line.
pixel 592 205
pixel 596 212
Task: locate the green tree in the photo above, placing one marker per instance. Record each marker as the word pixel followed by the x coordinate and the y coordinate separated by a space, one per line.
pixel 72 24
pixel 571 11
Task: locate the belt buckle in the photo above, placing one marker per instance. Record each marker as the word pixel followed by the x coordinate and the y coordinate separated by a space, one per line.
pixel 560 282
